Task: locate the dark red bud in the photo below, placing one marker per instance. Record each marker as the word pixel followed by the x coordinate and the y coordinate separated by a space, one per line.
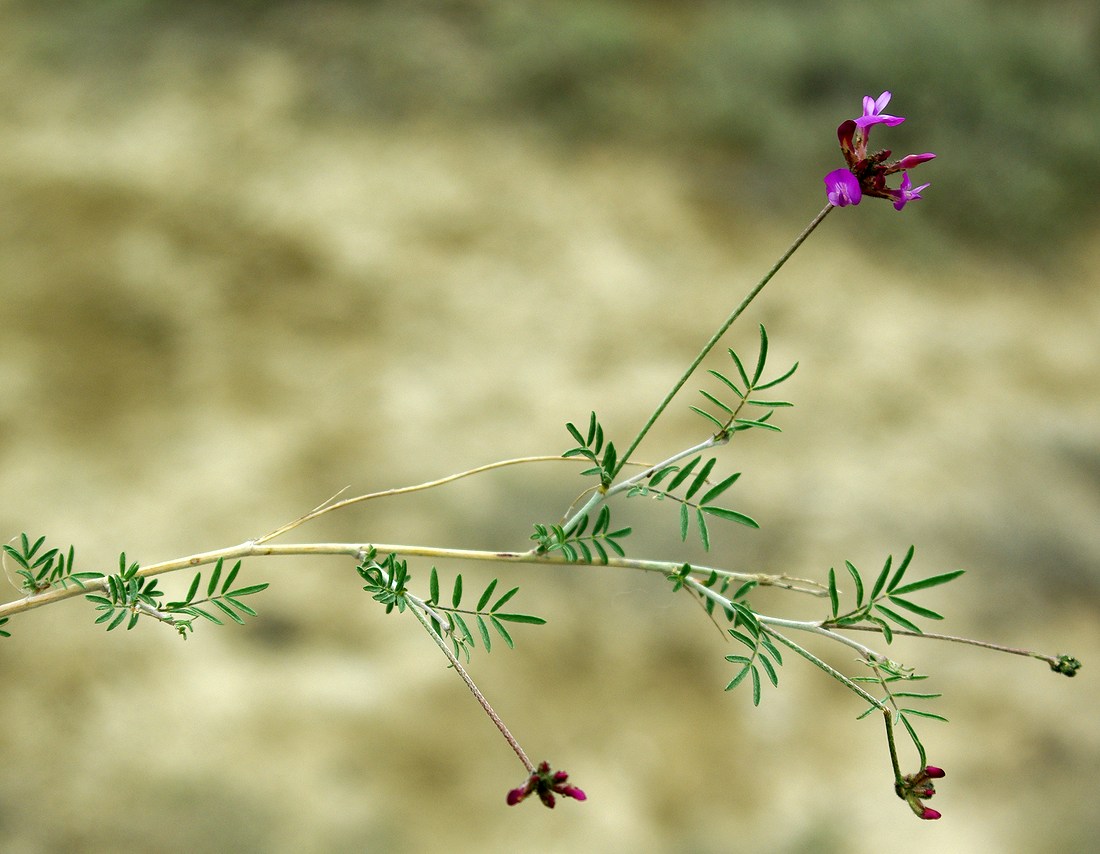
pixel 934 772
pixel 516 795
pixel 929 814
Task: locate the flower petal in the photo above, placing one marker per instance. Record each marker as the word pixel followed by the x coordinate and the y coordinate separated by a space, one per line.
pixel 842 188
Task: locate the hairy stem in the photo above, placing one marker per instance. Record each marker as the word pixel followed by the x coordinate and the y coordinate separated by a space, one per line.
pixel 461 671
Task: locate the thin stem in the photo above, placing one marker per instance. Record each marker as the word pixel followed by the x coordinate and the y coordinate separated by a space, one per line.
pixel 253 549
pixel 461 671
pixel 1026 653
pixel 718 335
pixel 888 717
pixel 403 490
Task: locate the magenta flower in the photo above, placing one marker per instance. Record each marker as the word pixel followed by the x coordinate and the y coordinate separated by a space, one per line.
pixel 842 188
pixel 873 115
pixel 545 783
pixel 866 172
pixel 904 193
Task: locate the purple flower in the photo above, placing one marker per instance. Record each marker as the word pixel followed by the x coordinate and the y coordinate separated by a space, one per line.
pixel 873 115
pixel 905 193
pixel 866 173
pixel 911 160
pixel 842 188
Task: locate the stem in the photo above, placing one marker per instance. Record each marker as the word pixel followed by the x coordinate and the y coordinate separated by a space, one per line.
pixel 386 493
pixel 718 334
pixel 1027 653
pixel 888 716
pixel 461 671
pixel 836 674
pixel 254 549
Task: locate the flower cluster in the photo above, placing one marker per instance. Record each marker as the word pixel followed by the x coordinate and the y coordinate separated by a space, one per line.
pixel 545 783
pixel 866 173
pixel 914 787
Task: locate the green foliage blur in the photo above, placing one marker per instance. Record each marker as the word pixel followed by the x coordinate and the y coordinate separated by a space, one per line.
pixel 746 93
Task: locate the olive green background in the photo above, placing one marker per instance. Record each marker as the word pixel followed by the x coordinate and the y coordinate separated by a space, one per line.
pixel 252 253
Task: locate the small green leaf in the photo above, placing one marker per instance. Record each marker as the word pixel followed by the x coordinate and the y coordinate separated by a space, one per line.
pixel 731 515
pixel 484 600
pixel 852 571
pixel 927 582
pixel 433 585
pixel 229 612
pixel 213 585
pixel 778 380
pixel 685 520
pixel 919 610
pixel 717 490
pixel 900 572
pixel 704 534
pixel 194 588
pixel 880 582
pixel 740 368
pixel 484 631
pixel 762 357
pixel 461 624
pixel 716 402
pixel 755 685
pixel 922 714
pixel 231 577
pixel 700 478
pixel 575 433
pixel 456 594
pixel 497 605
pixel 248 591
pixel 771 404
pixel 682 475
pixel 709 417
pixel 520 618
pixel 240 606
pixel 739 678
pixel 744 423
pixel 503 632
pixel 899 619
pixel 834 594
pixel 769 668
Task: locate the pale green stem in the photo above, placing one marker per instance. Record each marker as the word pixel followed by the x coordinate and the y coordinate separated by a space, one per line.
pixel 356 550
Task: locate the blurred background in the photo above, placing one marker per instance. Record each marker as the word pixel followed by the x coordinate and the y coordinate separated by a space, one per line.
pixel 254 252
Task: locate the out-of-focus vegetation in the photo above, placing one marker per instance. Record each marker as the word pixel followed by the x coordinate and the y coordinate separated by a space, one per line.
pixel 1007 93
